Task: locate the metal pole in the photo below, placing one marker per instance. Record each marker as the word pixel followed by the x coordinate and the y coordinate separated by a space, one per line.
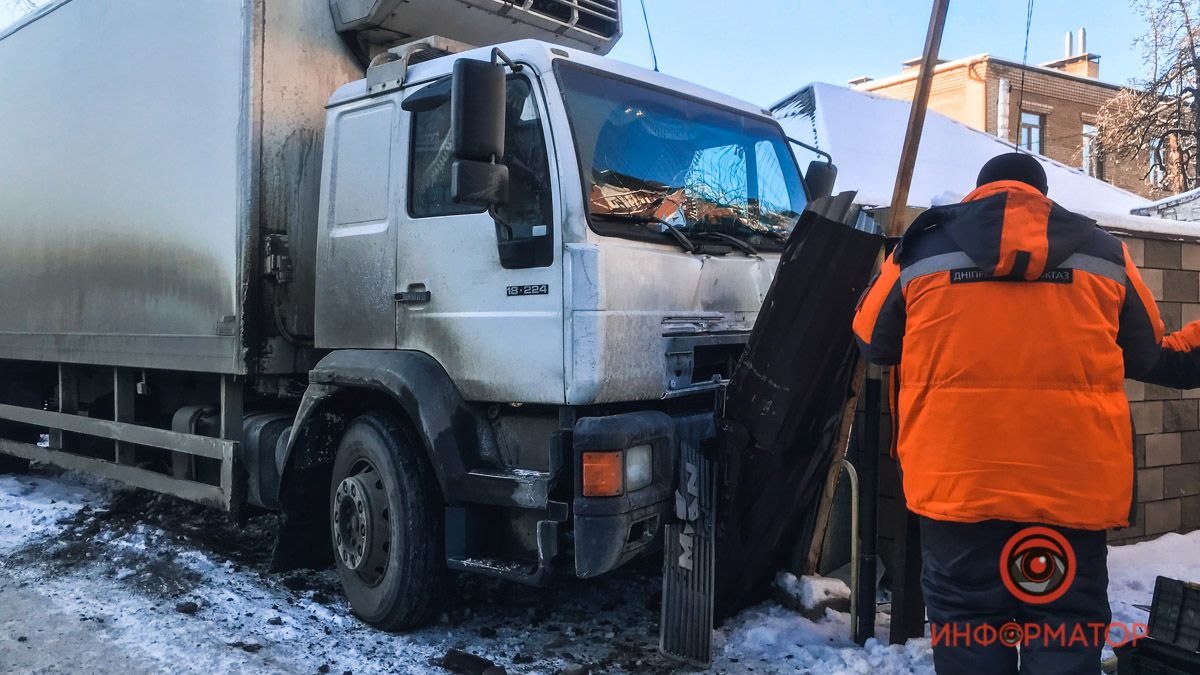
pixel 868 485
pixel 856 633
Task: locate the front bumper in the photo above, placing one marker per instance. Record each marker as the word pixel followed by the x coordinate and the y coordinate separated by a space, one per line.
pixel 611 531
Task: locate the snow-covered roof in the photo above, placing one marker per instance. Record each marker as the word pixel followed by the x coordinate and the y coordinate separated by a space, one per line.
pixel 1167 202
pixel 864 133
pixel 911 73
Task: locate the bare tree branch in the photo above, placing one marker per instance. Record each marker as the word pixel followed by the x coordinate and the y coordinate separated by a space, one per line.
pixel 23 6
pixel 1159 117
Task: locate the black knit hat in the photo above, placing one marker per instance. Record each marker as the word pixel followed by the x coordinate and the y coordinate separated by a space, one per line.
pixel 1016 166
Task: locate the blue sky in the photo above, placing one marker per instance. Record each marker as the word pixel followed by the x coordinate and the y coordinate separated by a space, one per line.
pixel 761 50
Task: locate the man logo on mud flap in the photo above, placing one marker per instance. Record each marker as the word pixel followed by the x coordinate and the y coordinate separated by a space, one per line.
pixel 687 509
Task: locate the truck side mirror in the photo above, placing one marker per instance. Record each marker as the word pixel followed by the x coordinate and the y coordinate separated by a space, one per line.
pixel 820 178
pixel 477 108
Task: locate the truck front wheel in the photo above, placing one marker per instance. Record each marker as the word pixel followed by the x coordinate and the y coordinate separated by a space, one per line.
pixel 8 463
pixel 386 524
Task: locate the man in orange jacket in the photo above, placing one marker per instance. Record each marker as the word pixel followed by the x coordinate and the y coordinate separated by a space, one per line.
pixel 1011 324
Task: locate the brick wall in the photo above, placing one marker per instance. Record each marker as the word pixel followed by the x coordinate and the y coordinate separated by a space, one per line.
pixel 1166 421
pixel 1067 104
pixel 958 92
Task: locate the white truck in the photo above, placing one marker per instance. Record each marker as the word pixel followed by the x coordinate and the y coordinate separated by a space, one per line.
pixel 441 306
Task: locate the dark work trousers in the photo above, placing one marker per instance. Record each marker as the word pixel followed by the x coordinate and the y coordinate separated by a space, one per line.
pixel 960 576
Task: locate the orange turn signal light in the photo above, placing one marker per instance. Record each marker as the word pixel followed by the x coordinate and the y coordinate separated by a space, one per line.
pixel 603 474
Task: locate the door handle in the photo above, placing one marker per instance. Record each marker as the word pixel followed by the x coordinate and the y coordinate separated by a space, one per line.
pixel 416 293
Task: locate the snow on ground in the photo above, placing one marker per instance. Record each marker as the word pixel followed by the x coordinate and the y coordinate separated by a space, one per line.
pixel 1132 570
pixel 33 505
pixel 120 563
pixel 777 640
pixel 92 579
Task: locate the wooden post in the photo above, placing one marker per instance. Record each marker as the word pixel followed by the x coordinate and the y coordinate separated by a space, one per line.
pixel 812 559
pixel 908 604
pixel 916 117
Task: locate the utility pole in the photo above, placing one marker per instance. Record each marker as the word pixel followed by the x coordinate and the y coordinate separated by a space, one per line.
pixel 916 118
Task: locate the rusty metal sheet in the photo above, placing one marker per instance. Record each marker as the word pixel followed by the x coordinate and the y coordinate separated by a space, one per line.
pixel 784 406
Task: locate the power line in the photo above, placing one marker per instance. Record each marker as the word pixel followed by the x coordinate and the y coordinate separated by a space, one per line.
pixel 650 36
pixel 1024 67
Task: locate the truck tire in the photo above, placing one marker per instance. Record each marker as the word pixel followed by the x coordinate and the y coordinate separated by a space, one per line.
pixel 8 463
pixel 386 524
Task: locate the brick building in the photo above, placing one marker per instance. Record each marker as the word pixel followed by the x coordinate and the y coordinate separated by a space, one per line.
pixel 1055 117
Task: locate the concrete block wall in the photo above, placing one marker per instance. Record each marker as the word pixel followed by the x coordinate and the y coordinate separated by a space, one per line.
pixel 1166 421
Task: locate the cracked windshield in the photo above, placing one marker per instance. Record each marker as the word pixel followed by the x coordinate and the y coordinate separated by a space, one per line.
pixel 657 166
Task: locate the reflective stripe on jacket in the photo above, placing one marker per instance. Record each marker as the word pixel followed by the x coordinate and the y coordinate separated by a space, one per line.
pixel 1013 323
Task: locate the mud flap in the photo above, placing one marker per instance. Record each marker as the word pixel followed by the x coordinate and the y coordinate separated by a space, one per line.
pixel 686 629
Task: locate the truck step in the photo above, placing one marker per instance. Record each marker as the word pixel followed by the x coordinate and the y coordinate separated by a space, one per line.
pixel 510 487
pixel 522 571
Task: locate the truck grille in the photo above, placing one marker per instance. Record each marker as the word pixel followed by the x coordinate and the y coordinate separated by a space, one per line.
pixel 599 17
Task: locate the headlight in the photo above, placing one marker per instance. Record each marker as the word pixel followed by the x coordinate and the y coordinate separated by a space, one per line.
pixel 613 473
pixel 639 467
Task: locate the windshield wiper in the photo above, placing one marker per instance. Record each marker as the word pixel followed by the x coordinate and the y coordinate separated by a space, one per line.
pixel 743 246
pixel 777 236
pixel 682 239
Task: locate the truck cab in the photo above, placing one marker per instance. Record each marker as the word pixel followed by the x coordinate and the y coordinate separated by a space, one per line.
pixel 553 342
pixel 467 312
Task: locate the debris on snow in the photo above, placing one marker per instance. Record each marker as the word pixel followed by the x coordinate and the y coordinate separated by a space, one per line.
pixel 123 560
pixel 186 607
pixel 463 663
pixel 812 595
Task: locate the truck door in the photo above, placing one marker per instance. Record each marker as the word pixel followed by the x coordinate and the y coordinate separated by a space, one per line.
pixel 497 331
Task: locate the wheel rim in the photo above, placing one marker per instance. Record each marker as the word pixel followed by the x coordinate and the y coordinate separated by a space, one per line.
pixel 361 531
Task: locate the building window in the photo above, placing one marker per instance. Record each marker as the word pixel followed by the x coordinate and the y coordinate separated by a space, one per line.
pixel 528 209
pixel 1154 171
pixel 1031 131
pixel 1092 160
